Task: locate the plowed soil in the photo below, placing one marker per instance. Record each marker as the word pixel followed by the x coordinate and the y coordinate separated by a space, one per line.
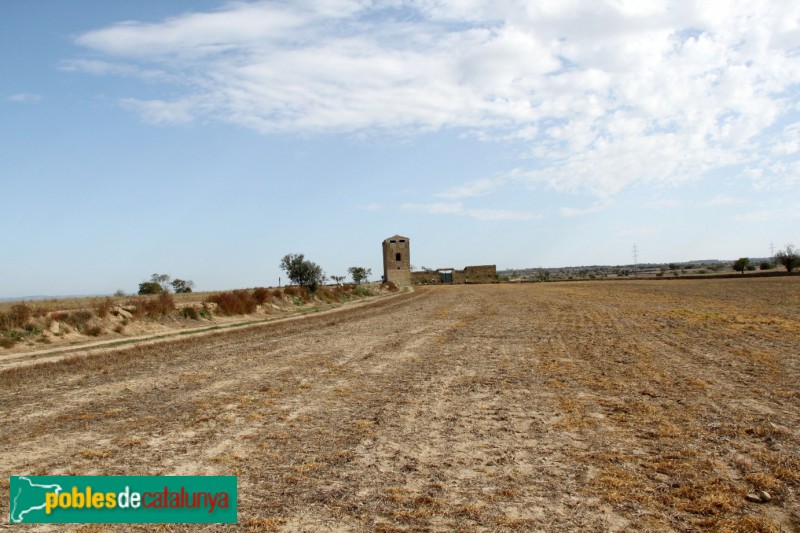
pixel 596 406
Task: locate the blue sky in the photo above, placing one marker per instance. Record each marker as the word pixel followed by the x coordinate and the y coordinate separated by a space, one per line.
pixel 207 139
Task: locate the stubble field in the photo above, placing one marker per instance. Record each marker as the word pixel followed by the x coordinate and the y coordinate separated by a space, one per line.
pixel 557 407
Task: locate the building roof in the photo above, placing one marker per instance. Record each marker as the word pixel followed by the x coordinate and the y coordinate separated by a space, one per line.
pixel 395 237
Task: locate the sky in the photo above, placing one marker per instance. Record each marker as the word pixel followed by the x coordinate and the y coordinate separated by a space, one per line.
pixel 207 139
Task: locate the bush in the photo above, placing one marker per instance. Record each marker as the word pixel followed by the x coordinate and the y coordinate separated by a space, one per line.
pixel 190 313
pixel 76 319
pixel 161 306
pixel 104 307
pixel 158 307
pixel 7 342
pixel 94 331
pixel 16 317
pixel 766 265
pixel 239 302
pixel 260 295
pixel 291 291
pixel 363 291
pixel 325 293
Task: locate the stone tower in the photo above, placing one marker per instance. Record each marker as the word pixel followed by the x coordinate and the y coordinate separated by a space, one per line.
pixel 397 260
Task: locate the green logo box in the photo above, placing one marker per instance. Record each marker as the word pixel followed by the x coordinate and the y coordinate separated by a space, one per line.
pixel 122 499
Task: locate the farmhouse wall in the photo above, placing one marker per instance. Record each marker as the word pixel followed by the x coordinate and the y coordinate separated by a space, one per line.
pixel 480 274
pixel 470 274
pixel 425 277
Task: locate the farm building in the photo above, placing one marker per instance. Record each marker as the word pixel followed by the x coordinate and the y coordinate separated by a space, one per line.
pixel 397 260
pixel 397 268
pixel 470 274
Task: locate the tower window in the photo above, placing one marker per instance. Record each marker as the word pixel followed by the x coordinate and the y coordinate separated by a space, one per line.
pixel 397 256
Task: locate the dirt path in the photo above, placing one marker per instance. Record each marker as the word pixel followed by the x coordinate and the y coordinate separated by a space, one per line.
pixel 25 356
pixel 558 407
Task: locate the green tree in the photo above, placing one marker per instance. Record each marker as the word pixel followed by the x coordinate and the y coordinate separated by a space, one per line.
pixel 182 286
pixel 161 279
pixel 789 258
pixel 338 279
pixel 150 287
pixel 741 264
pixel 302 272
pixel 359 274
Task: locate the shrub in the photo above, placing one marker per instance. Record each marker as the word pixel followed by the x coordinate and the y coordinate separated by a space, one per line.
pixel 7 342
pixel 766 265
pixel 390 285
pixel 76 319
pixel 291 291
pixel 104 307
pixel 325 293
pixel 190 313
pixel 158 307
pixel 238 302
pixel 362 291
pixel 260 295
pixel 94 331
pixel 18 316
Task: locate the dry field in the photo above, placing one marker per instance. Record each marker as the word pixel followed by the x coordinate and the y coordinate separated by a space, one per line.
pixel 555 407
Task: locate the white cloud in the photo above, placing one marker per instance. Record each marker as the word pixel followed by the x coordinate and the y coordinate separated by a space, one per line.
pixel 779 214
pixel 457 208
pixel 371 207
pixel 607 94
pixel 480 187
pixel 159 112
pixel 25 98
pixel 662 203
pixel 722 199
pixel 575 212
pixel 641 231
